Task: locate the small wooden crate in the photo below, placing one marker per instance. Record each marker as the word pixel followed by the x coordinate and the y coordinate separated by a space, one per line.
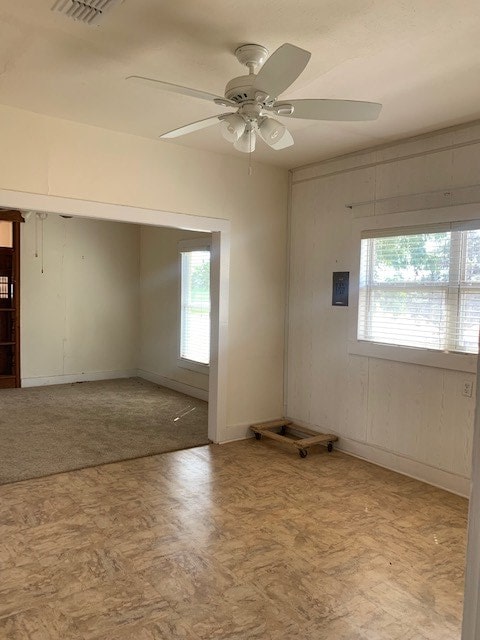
pixel 278 430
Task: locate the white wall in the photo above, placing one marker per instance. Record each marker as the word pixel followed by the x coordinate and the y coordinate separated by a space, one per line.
pixel 50 156
pixel 160 309
pixel 80 317
pixel 409 417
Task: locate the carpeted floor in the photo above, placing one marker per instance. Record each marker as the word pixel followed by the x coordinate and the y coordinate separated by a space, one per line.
pixel 46 430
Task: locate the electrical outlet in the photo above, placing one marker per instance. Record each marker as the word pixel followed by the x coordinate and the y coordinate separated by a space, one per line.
pixel 467 389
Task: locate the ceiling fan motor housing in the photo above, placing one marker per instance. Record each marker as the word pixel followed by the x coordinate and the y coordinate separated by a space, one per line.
pixel 241 89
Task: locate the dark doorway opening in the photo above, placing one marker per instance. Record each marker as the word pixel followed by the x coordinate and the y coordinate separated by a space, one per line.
pixel 10 299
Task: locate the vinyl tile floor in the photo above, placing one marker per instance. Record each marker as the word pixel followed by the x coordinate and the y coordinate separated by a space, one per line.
pixel 232 542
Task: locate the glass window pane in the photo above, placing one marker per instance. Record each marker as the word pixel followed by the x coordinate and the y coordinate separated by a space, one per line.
pixel 195 320
pixel 424 257
pixel 410 318
pixel 6 234
pixel 472 256
pixel 469 321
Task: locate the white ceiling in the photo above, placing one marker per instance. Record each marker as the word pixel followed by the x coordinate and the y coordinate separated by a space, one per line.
pixel 420 58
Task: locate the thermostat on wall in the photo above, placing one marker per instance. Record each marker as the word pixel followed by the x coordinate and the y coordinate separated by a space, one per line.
pixel 340 288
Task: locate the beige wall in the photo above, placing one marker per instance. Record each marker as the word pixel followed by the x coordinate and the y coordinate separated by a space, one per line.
pixel 410 417
pixel 160 308
pixel 50 156
pixel 105 305
pixel 80 316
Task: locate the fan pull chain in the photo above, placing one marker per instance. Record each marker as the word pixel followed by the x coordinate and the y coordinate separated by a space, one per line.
pixel 42 243
pixel 250 170
pixel 36 236
pixel 41 217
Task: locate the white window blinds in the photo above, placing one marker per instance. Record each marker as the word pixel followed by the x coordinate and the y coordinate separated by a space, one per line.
pixel 195 306
pixel 420 287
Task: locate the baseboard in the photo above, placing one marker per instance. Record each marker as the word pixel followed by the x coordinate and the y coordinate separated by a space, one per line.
pixel 406 466
pixel 187 389
pixel 44 381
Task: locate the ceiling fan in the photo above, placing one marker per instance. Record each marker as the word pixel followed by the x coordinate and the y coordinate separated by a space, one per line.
pixel 255 97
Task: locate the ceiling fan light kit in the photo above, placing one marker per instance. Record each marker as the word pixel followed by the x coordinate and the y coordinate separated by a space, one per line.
pixel 233 126
pixel 271 130
pixel 254 98
pixel 246 142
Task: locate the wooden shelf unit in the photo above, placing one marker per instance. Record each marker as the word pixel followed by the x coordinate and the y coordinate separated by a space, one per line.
pixel 10 301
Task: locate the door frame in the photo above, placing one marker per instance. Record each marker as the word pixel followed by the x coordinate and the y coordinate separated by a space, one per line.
pixel 220 265
pixel 16 295
pixel 471 606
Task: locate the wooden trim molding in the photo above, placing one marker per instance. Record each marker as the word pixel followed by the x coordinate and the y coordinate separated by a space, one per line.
pixel 11 215
pixel 16 284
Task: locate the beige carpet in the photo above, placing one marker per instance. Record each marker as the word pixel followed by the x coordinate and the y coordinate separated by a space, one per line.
pixel 45 430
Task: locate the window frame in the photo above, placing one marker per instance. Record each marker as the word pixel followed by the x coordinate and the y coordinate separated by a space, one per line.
pixel 185 246
pixel 458 215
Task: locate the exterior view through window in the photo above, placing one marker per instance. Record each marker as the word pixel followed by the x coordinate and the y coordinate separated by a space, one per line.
pixel 421 288
pixel 195 306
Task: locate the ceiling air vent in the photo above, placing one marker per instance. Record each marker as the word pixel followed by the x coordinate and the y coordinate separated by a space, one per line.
pixel 88 11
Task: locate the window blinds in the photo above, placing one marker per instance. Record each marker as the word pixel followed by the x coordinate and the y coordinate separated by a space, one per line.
pixel 420 287
pixel 195 306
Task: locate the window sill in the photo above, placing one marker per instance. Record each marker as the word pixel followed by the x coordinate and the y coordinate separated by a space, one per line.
pixel 441 360
pixel 192 365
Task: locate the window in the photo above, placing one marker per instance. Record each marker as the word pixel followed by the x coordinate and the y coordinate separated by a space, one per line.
pixel 4 293
pixel 6 234
pixel 420 287
pixel 195 303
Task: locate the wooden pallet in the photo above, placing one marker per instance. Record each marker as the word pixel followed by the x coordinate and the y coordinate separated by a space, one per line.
pixel 278 430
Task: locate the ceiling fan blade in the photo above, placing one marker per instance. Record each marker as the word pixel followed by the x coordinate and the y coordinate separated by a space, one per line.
pixel 285 141
pixel 193 126
pixel 281 69
pixel 347 110
pixel 173 88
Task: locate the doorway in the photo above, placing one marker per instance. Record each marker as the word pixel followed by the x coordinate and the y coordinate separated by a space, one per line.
pixel 10 299
pixel 220 265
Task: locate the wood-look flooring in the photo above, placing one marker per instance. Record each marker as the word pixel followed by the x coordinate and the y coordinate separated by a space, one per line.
pixel 231 542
